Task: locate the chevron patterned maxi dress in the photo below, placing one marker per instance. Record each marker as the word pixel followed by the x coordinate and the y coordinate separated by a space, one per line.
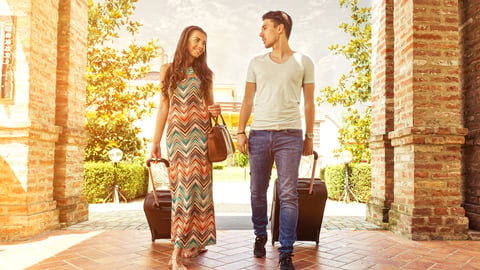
pixel 193 219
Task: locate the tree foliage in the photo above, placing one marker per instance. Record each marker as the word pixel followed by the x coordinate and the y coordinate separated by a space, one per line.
pixel 353 90
pixel 113 106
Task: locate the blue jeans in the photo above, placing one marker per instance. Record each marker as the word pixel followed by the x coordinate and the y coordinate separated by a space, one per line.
pixel 285 148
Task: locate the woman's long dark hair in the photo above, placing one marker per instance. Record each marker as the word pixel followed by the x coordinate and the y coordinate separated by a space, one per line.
pixel 177 70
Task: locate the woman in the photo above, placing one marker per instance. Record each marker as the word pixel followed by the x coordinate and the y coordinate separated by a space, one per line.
pixel 185 104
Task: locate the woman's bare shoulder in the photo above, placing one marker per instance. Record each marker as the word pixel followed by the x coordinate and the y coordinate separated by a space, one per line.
pixel 164 68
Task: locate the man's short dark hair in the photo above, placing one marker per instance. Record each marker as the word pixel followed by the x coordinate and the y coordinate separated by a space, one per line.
pixel 280 17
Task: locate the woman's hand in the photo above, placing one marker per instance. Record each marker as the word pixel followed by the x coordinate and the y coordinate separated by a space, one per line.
pixel 215 109
pixel 156 151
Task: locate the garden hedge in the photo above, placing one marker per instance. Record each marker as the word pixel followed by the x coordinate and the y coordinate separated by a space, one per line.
pixel 132 180
pixel 359 181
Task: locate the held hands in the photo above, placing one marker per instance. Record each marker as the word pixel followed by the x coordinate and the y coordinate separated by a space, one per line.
pixel 215 109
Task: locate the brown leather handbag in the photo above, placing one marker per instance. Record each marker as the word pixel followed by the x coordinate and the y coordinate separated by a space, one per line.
pixel 219 142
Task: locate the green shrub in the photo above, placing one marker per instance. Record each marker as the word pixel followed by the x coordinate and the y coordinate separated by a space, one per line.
pixel 359 181
pixel 322 173
pixel 218 165
pixel 361 174
pixel 241 160
pixel 335 180
pixel 132 180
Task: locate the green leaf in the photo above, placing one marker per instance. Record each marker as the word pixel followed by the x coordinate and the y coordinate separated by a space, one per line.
pixel 354 87
pixel 113 107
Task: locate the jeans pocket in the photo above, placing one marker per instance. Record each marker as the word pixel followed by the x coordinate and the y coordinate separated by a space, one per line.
pixel 294 132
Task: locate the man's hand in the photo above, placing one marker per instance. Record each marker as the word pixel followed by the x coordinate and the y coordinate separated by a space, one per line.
pixel 307 147
pixel 242 143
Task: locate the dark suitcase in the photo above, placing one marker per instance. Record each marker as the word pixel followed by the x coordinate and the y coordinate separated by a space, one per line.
pixel 312 197
pixel 158 207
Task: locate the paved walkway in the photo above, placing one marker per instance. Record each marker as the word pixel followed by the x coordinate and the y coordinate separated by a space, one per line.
pixel 117 237
pixel 228 217
pixel 133 249
pixel 232 211
pixel 130 216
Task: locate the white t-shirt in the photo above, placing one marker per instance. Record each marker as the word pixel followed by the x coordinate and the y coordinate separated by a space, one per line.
pixel 279 90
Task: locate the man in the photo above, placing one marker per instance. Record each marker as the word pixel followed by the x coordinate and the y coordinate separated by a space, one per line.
pixel 275 80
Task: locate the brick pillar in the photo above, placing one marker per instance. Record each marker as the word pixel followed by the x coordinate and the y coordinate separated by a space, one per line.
pixel 27 129
pixel 42 124
pixel 382 112
pixel 70 111
pixel 470 41
pixel 428 122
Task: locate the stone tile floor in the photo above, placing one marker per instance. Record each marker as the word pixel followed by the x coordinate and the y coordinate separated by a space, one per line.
pixel 339 249
pixel 117 237
pixel 130 216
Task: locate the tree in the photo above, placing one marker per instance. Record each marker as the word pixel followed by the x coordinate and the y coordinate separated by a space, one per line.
pixel 113 108
pixel 353 90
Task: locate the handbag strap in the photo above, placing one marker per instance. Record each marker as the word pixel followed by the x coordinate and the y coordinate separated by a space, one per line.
pixel 315 158
pixel 155 160
pixel 215 120
pixel 223 120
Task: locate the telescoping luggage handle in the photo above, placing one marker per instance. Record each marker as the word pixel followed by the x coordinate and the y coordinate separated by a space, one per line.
pixel 155 160
pixel 315 158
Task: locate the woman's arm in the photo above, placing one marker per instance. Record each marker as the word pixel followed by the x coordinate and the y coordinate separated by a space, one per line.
pixel 213 108
pixel 161 119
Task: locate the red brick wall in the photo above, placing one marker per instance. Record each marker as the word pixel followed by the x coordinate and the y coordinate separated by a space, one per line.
pixel 428 130
pixel 31 134
pixel 470 37
pixel 382 112
pixel 70 111
pixel 41 171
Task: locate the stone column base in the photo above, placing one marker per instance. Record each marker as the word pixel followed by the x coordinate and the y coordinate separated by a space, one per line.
pixel 377 212
pixel 72 210
pixel 27 207
pixel 25 221
pixel 426 224
pixel 472 211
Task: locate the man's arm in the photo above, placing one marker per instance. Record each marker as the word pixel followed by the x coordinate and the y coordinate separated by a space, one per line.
pixel 309 107
pixel 245 111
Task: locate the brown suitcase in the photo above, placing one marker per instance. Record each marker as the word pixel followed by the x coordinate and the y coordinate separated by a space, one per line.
pixel 312 197
pixel 158 207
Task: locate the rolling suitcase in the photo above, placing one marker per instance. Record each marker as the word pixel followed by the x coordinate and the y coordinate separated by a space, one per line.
pixel 312 197
pixel 158 206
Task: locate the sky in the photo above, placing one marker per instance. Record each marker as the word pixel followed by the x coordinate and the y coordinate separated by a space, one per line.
pixel 233 29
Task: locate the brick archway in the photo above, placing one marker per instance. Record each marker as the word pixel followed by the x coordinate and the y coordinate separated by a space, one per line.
pixel 421 112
